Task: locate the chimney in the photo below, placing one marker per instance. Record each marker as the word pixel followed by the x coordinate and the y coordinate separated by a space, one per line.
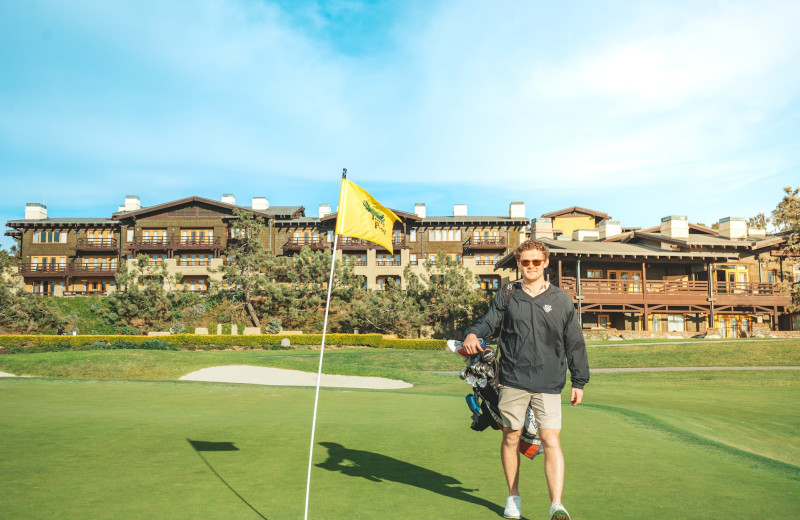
pixel 675 226
pixel 35 211
pixel 259 204
pixel 542 227
pixel 754 232
pixel 459 210
pixel 132 203
pixel 585 235
pixel 419 209
pixel 228 198
pixel 734 228
pixel 609 228
pixel 324 210
pixel 516 210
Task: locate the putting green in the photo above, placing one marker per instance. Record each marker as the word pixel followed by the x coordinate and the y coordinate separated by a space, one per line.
pixel 639 448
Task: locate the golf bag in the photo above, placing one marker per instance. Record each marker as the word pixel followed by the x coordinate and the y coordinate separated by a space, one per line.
pixel 482 373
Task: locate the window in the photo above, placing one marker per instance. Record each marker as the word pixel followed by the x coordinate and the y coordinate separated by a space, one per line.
pixel 49 237
pixel 157 259
pixel 444 235
pixel 129 235
pixel 387 282
pixel 675 323
pixel 195 284
pixel 412 235
pixel 48 263
pixel 594 273
pixel 603 321
pixel 413 259
pixel 154 236
pixel 196 236
pixel 387 259
pixel 357 259
pixel 488 283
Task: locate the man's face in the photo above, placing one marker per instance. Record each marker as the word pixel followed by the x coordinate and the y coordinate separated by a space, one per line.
pixel 531 272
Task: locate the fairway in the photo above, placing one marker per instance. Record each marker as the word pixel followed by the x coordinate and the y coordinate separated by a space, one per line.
pixel 644 445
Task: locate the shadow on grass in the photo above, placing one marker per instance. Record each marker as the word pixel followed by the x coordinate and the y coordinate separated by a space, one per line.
pixel 201 446
pixel 377 468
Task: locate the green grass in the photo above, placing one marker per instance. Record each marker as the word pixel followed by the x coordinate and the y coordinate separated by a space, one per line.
pixel 686 445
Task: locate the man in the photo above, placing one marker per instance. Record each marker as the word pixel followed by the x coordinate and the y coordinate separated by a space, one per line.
pixel 540 330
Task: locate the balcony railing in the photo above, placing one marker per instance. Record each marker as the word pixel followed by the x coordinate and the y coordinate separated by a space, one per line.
pixel 604 286
pixel 44 270
pixel 96 244
pixel 164 243
pixel 93 270
pixel 383 263
pixel 485 262
pixel 485 243
pixel 354 243
pixel 297 243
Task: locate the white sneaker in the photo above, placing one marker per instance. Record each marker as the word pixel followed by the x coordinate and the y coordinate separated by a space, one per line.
pixel 558 512
pixel 513 504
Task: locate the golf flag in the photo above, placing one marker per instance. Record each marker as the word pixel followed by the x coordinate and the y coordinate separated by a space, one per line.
pixel 361 216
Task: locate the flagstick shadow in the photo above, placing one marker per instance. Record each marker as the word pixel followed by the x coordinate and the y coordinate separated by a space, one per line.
pixel 200 446
pixel 377 468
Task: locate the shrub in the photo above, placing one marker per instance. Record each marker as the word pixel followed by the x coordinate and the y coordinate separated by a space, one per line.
pixel 274 326
pixel 47 343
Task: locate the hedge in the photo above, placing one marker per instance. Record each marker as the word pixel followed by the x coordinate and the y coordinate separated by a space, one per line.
pixel 15 344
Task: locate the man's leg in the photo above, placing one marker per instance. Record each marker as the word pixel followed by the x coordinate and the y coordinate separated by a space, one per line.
pixel 509 454
pixel 553 462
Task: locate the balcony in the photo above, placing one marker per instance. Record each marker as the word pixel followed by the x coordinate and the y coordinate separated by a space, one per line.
pixel 675 292
pixel 150 244
pixel 297 243
pixel 87 271
pixel 348 243
pixel 43 270
pixel 197 243
pixel 387 262
pixel 96 244
pixel 485 243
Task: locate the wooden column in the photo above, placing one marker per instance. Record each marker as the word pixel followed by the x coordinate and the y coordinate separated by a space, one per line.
pixel 645 319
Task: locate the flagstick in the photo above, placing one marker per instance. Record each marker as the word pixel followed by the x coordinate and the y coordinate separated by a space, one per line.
pixel 319 372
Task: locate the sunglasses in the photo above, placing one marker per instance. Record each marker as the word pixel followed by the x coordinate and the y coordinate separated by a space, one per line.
pixel 535 263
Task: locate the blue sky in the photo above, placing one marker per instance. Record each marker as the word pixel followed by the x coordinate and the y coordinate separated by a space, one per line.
pixel 637 109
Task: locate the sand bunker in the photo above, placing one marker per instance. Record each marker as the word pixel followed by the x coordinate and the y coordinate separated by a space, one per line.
pixel 6 374
pixel 280 377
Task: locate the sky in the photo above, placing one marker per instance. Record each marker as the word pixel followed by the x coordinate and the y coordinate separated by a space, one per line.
pixel 636 109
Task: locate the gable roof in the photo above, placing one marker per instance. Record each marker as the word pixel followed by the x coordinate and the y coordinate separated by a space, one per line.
pixel 159 208
pixel 578 210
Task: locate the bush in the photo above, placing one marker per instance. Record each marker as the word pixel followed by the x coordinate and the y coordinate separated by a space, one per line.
pixel 45 343
pixel 274 326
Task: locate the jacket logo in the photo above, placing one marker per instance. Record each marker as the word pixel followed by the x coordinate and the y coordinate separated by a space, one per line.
pixel 547 308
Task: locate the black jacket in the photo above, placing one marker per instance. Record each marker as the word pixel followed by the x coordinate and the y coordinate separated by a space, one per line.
pixel 540 337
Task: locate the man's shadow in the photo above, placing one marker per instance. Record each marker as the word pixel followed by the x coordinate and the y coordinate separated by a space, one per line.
pixel 377 468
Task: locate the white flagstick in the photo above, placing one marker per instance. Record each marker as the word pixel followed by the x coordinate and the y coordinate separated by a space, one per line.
pixel 319 373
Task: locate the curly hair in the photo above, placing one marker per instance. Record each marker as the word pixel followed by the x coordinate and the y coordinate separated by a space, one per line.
pixel 532 245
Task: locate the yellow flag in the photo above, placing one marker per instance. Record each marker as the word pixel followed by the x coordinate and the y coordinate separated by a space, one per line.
pixel 361 216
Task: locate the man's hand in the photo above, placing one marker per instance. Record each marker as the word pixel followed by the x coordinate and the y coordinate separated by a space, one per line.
pixel 577 396
pixel 472 345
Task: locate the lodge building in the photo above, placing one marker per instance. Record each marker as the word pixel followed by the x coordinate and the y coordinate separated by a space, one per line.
pixel 676 276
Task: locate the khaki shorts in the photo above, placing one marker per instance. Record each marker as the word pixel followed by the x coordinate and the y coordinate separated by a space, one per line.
pixel 514 405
